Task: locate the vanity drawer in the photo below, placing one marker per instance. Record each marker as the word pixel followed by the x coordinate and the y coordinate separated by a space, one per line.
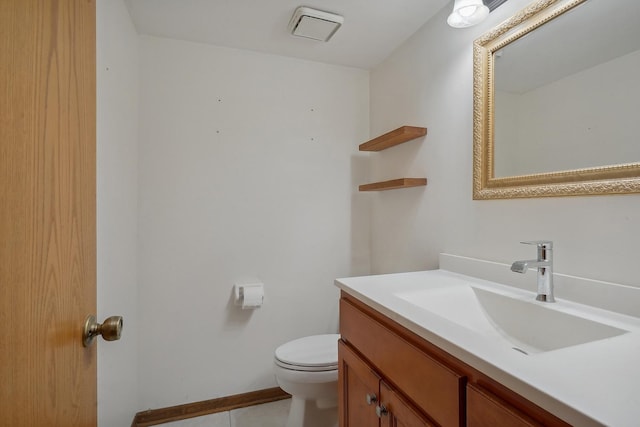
pixel 429 384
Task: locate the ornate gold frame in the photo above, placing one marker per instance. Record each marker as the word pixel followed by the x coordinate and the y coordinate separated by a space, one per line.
pixel 618 179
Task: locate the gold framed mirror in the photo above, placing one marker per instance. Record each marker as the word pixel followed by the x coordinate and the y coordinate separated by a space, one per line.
pixel 547 118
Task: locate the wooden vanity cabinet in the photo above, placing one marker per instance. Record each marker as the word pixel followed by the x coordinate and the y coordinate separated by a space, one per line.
pixel 368 400
pixel 382 364
pixel 418 378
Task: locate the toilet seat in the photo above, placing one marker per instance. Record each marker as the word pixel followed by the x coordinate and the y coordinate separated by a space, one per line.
pixel 315 353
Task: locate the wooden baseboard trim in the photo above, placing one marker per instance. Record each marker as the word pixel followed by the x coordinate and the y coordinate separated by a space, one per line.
pixel 153 417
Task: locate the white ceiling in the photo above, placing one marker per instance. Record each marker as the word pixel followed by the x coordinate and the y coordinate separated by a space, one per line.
pixel 372 29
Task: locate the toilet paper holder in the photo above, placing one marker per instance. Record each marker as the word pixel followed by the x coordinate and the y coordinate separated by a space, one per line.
pixel 249 296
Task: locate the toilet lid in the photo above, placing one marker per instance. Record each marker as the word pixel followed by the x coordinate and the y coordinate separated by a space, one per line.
pixel 317 352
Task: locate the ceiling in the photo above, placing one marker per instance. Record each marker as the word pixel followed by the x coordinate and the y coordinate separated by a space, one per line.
pixel 372 29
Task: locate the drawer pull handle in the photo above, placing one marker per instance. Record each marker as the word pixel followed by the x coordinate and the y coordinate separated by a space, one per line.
pixel 371 398
pixel 381 411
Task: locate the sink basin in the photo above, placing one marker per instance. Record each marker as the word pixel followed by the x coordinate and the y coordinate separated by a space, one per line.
pixel 527 326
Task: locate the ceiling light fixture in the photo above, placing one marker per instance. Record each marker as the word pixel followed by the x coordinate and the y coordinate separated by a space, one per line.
pixel 467 13
pixel 314 24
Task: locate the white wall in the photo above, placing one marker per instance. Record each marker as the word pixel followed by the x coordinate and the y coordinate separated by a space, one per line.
pixel 117 199
pixel 429 81
pixel 248 170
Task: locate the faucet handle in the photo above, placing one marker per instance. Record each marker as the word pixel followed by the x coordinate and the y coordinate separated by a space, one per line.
pixel 542 244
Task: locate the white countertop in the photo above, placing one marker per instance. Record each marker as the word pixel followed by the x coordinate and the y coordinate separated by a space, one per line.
pixel 589 384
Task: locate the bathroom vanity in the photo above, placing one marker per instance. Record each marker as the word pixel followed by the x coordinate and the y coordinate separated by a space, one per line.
pixel 415 350
pixel 430 387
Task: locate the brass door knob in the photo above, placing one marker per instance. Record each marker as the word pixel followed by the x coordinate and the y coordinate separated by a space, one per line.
pixel 110 329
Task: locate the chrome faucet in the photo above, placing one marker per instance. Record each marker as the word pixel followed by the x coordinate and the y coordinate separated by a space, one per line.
pixel 544 264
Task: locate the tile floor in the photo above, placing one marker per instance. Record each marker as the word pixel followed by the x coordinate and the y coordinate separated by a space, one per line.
pixel 272 414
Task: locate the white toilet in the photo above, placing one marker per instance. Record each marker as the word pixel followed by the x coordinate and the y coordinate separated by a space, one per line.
pixel 307 369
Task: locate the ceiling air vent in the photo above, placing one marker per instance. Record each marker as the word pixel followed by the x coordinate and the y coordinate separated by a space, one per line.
pixel 314 24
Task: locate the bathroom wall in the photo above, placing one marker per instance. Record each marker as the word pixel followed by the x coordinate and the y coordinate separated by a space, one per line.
pixel 429 81
pixel 117 218
pixel 248 170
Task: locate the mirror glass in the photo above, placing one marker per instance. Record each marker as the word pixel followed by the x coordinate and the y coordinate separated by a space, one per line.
pixel 567 96
pixel 557 101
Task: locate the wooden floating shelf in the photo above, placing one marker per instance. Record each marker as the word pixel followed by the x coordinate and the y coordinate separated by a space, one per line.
pixel 395 137
pixel 394 184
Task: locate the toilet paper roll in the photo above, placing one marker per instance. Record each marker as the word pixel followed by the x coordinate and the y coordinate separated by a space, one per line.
pixel 252 297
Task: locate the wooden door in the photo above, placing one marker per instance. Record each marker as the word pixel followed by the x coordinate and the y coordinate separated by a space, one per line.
pixel 356 380
pixel 47 212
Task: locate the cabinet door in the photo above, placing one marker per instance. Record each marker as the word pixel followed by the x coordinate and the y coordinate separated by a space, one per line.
pixel 357 390
pixel 397 412
pixel 486 410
